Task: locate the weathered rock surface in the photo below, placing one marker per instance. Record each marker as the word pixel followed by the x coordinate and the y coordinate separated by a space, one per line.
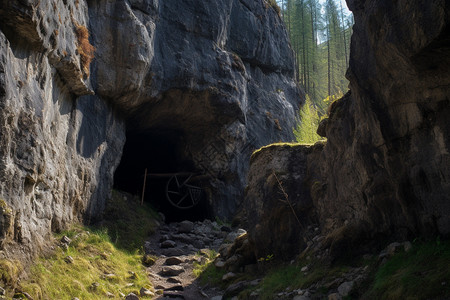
pixel 278 206
pixel 217 76
pixel 383 173
pixel 58 152
pixel 386 162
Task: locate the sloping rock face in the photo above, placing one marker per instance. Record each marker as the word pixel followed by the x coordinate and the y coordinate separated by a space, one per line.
pixel 384 173
pixel 58 145
pixel 387 158
pixel 216 76
pixel 278 206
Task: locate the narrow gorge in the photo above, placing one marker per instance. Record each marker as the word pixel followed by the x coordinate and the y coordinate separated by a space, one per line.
pixel 103 95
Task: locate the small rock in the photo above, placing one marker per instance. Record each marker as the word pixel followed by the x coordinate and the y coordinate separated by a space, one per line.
pixel 185 227
pixel 216 298
pixel 173 260
pixel 345 288
pixel 68 259
pixel 168 244
pixel 76 298
pixel 198 243
pixel 122 295
pixel 177 287
pixel 94 286
pixel 392 248
pixel 301 297
pixel 131 296
pixel 109 295
pixel 304 269
pixel 254 294
pixel 235 288
pixel 65 240
pixel 407 246
pixel 172 271
pixel 241 231
pixel 173 280
pixel 255 282
pixel 110 277
pixel 146 292
pixel 164 237
pixel 219 263
pixel 173 294
pixel 172 252
pixel 132 275
pixel 228 276
pixel 334 296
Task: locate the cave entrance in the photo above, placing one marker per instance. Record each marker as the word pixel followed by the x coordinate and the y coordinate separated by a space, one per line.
pixel 161 153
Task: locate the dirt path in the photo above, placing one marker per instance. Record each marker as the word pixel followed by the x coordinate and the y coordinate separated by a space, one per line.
pixel 176 247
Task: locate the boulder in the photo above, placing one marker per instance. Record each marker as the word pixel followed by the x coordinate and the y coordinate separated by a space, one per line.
pixel 278 205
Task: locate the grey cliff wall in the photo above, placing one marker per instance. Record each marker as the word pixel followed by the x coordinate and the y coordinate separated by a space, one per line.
pixel 206 73
pixel 218 77
pixel 384 173
pixel 387 156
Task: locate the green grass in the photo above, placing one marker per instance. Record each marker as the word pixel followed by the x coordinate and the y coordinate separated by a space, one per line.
pixel 94 257
pixel 128 223
pixel 417 274
pixel 115 248
pixel 206 271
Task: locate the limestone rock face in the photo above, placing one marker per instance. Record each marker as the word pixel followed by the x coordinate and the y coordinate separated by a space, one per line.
pixel 216 76
pixel 387 157
pixel 278 205
pixel 384 173
pixel 58 152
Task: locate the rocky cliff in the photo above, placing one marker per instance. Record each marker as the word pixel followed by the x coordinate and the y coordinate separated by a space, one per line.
pixel 215 79
pixel 384 171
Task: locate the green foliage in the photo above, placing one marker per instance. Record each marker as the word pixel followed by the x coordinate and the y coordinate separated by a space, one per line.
pixel 98 267
pixel 320 34
pixel 128 223
pixel 306 129
pixel 421 273
pixel 205 270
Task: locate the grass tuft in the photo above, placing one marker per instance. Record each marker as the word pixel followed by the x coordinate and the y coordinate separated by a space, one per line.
pixel 421 273
pixel 124 213
pixel 98 268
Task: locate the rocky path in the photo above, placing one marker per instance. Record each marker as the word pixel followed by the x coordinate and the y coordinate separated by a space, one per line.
pixel 175 247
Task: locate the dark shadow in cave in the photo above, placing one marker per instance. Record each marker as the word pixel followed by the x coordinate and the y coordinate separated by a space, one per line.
pixel 161 152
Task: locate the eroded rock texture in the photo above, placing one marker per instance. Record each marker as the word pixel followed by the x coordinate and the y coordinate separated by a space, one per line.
pixel 387 157
pixel 58 148
pixel 278 205
pixel 384 173
pixel 215 78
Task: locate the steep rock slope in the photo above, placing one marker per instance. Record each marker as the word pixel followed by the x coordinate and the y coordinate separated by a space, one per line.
pixel 384 173
pixel 218 77
pixel 59 146
pixel 387 157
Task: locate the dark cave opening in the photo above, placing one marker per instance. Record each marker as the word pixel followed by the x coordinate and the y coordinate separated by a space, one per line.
pixel 161 153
